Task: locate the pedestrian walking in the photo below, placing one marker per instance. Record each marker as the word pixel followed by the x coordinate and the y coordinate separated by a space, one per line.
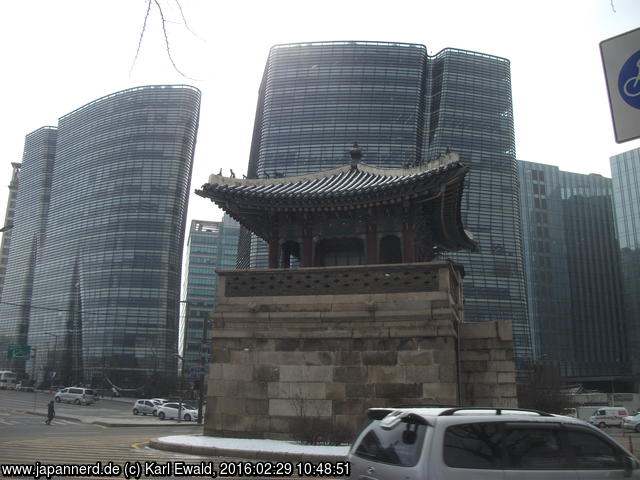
pixel 50 413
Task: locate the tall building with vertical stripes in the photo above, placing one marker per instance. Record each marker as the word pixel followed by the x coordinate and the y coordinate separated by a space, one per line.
pixel 403 108
pixel 625 173
pixel 573 272
pixel 93 277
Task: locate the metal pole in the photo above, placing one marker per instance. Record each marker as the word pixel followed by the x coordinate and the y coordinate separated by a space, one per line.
pixel 203 363
pixel 33 375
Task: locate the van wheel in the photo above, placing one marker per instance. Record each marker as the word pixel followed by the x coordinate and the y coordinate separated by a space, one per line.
pixel 135 411
pixel 602 425
pixel 77 401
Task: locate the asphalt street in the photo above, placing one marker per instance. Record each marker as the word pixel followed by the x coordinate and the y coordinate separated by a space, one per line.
pixel 26 442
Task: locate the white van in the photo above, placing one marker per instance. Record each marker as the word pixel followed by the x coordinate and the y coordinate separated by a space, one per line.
pixel 77 395
pixel 608 416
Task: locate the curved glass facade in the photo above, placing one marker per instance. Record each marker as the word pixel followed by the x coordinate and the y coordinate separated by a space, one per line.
pixel 471 113
pixel 106 282
pixel 403 107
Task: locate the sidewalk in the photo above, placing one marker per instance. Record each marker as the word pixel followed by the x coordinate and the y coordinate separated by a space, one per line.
pixel 255 449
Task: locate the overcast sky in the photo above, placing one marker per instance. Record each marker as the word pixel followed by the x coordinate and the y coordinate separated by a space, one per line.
pixel 59 55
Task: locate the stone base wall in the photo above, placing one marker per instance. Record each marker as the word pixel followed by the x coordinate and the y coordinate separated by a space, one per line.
pixel 316 353
pixel 487 368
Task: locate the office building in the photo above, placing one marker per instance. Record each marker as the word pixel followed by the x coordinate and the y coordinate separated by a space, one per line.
pixel 93 278
pixel 573 275
pixel 8 222
pixel 403 108
pixel 625 172
pixel 211 246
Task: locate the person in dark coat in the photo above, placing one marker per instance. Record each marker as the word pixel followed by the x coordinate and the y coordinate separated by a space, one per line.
pixel 50 413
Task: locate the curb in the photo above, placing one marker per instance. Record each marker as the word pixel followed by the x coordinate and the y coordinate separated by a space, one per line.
pixel 253 454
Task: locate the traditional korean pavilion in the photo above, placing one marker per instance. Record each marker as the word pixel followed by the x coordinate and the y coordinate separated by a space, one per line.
pixel 352 215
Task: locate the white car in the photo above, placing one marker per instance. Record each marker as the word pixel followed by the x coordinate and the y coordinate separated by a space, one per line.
pixel 143 406
pixel 157 402
pixel 169 411
pixel 484 444
pixel 631 422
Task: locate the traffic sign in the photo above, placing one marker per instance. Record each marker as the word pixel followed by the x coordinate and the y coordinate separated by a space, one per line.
pixel 18 352
pixel 621 62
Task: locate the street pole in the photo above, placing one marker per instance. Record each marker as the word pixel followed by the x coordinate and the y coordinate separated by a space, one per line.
pixel 203 363
pixel 33 375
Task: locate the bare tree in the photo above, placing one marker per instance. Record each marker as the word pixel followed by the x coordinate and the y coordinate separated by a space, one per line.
pixel 544 390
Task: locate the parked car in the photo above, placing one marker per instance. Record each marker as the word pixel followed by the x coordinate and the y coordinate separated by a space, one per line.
pixel 608 416
pixel 484 444
pixel 143 406
pixel 631 422
pixel 157 402
pixel 77 395
pixel 169 411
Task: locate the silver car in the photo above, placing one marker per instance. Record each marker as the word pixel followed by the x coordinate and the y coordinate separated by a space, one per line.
pixel 484 444
pixel 632 422
pixel 143 406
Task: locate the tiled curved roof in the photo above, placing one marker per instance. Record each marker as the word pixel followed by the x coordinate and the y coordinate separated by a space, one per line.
pixel 352 184
pixel 435 187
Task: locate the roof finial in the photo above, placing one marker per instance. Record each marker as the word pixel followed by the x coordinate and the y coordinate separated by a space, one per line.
pixel 356 155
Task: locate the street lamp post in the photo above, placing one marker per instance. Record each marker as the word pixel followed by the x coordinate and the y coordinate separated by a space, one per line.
pixel 55 354
pixel 181 358
pixel 203 364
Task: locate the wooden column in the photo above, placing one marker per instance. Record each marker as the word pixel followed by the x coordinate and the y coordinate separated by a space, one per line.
pixel 372 244
pixel 306 256
pixel 274 248
pixel 408 236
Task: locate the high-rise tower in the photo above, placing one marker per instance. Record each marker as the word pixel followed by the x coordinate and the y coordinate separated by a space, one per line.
pixel 573 275
pixel 625 172
pixel 403 108
pixel 93 282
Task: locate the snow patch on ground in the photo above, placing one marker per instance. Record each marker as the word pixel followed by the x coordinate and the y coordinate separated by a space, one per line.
pixel 254 445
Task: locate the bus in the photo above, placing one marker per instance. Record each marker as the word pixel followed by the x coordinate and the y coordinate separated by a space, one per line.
pixel 7 380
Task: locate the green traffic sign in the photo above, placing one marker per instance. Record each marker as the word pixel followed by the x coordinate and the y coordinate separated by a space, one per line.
pixel 19 352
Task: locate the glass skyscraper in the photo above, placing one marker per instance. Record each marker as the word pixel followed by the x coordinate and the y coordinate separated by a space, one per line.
pixel 404 107
pixel 573 274
pixel 625 172
pixel 93 278
pixel 211 246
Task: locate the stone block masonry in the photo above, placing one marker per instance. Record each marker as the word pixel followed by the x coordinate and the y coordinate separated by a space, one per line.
pixel 319 347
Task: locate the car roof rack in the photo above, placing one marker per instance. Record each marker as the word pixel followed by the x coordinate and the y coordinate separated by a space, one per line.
pixel 498 411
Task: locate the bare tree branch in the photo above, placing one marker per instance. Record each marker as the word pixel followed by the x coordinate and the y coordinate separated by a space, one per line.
pixel 164 22
pixel 144 28
pixel 184 21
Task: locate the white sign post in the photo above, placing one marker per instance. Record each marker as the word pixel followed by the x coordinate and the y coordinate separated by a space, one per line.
pixel 621 62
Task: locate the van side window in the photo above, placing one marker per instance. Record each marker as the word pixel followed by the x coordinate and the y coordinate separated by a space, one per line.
pixel 591 452
pixel 534 448
pixel 473 445
pixel 399 446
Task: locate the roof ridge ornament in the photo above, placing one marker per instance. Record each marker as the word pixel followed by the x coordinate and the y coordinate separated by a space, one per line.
pixel 356 156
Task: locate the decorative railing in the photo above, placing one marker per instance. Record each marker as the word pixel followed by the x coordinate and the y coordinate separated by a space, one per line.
pixel 360 279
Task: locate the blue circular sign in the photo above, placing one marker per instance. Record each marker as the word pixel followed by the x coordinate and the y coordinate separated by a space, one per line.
pixel 629 80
